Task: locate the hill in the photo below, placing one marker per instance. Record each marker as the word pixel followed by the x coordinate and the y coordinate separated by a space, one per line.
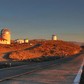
pixel 47 48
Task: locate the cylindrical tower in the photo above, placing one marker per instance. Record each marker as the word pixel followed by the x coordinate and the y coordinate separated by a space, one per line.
pixel 54 37
pixel 26 40
pixel 5 34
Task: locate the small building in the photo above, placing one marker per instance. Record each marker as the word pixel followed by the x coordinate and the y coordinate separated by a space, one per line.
pixel 20 41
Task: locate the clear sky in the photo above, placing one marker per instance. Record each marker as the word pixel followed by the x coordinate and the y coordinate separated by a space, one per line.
pixel 39 19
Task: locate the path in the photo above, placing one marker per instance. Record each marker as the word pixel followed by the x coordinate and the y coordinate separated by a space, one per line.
pixel 61 71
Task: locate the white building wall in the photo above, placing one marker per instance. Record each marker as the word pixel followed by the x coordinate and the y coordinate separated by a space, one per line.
pixel 19 41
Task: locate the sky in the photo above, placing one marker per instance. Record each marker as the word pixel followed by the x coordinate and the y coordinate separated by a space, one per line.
pixel 39 19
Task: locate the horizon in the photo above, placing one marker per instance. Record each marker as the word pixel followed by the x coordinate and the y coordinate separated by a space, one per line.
pixel 40 19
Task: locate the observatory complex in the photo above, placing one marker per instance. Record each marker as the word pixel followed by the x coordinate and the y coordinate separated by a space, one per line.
pixel 5 36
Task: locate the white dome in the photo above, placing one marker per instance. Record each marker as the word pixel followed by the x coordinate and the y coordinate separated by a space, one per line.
pixel 4 31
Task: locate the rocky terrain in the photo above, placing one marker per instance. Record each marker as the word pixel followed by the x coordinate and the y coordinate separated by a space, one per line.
pixel 39 49
pixel 43 49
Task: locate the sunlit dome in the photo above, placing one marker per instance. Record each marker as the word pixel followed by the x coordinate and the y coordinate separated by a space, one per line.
pixel 4 30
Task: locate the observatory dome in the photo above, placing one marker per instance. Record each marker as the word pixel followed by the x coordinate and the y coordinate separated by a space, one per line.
pixel 54 37
pixel 5 34
pixel 5 30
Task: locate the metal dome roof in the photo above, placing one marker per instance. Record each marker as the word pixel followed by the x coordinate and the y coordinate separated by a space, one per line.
pixel 4 30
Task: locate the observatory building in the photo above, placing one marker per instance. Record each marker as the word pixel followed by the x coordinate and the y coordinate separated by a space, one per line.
pixel 20 41
pixel 54 37
pixel 5 36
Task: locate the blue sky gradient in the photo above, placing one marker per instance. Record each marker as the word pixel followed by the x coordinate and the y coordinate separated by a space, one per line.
pixel 39 19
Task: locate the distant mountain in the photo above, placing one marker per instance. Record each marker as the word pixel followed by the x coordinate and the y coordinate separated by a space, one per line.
pixel 78 43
